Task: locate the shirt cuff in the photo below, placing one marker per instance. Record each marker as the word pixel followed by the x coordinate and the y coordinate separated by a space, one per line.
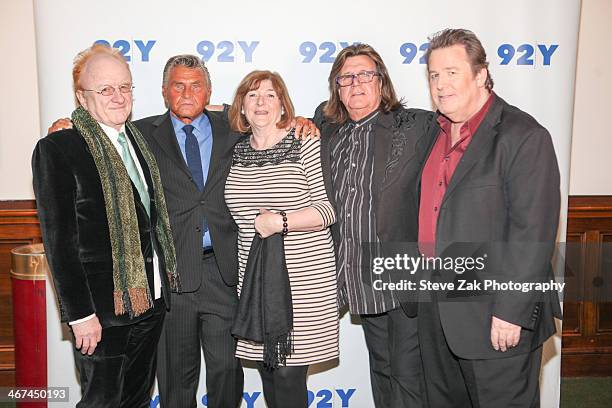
pixel 91 316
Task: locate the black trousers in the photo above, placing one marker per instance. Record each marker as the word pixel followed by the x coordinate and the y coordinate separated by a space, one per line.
pixel 120 373
pixel 200 320
pixel 284 387
pixel 451 381
pixel 396 370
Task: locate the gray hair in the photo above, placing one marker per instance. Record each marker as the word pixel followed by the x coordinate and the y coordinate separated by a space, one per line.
pixel 187 61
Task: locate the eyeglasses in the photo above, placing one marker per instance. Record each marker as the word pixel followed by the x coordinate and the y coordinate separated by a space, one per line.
pixel 110 90
pixel 363 77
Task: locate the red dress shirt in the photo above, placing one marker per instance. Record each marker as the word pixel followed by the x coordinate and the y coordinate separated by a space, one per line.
pixel 438 171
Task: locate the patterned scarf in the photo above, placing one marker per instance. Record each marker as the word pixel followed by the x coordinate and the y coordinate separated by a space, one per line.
pixel 132 293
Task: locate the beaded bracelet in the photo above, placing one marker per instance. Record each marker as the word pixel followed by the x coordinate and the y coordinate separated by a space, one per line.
pixel 285 230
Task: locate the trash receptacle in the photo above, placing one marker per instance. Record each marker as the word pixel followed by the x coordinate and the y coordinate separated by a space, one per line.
pixel 29 270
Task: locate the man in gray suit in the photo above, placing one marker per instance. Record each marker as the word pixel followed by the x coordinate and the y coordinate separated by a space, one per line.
pixel 490 185
pixel 193 148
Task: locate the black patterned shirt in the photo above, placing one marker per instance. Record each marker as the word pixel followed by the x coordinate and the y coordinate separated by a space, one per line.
pixel 352 171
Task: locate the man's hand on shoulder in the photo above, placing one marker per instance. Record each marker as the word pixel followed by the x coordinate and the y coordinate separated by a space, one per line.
pixel 304 128
pixel 504 335
pixel 87 335
pixel 60 124
pixel 215 108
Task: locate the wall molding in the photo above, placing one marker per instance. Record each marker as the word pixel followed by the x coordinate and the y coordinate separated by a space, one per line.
pixel 590 207
pixel 587 326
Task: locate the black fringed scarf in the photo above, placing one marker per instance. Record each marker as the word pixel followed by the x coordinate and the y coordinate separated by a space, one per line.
pixel 265 309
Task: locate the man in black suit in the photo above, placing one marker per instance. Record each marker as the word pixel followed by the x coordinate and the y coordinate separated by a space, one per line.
pixel 106 233
pixel 489 187
pixel 372 149
pixel 193 148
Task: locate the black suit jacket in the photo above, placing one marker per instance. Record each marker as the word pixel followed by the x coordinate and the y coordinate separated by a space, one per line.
pixel 187 206
pixel 75 230
pixel 402 139
pixel 504 197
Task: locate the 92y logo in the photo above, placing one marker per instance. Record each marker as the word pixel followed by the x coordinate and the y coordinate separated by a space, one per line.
pixel 225 50
pixel 410 50
pixel 324 398
pixel 141 50
pixel 525 53
pixel 309 51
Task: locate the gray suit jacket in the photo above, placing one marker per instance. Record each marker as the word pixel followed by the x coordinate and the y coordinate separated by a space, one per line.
pixel 187 206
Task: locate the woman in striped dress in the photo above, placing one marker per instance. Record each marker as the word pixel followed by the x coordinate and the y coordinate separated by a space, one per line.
pixel 272 172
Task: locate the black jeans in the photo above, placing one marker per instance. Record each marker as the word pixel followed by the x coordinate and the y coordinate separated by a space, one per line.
pixel 396 369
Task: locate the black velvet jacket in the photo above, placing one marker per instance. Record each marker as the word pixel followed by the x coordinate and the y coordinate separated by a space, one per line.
pixel 75 230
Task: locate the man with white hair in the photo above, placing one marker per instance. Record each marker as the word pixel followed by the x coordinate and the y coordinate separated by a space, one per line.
pixel 107 235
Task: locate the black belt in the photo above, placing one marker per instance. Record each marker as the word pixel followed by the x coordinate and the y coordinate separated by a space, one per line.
pixel 207 252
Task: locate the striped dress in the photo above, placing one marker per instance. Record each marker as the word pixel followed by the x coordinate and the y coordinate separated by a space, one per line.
pixel 288 177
